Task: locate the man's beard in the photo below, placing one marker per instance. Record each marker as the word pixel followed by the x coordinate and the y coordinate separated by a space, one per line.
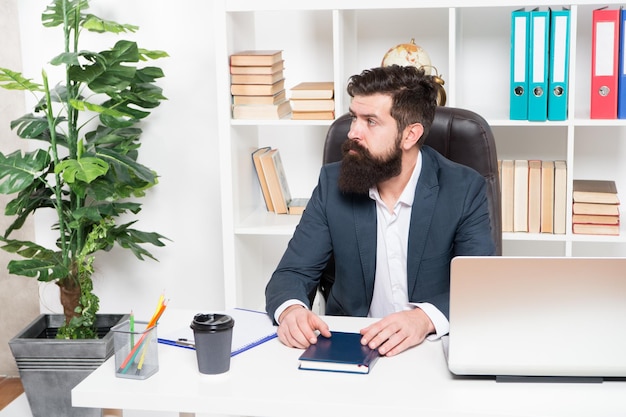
pixel 361 171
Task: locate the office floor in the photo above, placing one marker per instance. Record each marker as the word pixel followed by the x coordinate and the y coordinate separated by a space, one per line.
pixel 10 389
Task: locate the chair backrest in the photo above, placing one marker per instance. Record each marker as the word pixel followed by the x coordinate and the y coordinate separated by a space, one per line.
pixel 458 134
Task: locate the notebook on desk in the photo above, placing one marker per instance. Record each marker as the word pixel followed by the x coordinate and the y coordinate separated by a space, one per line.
pixel 251 329
pixel 537 317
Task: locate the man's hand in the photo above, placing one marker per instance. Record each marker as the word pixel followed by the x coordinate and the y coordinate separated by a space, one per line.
pixel 398 331
pixel 298 325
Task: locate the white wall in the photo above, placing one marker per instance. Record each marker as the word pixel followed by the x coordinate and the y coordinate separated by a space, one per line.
pixel 179 143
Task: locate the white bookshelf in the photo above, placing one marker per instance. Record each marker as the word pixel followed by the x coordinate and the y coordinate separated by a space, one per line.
pixel 333 39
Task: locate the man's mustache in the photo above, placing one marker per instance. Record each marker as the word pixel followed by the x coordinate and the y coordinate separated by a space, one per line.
pixel 352 145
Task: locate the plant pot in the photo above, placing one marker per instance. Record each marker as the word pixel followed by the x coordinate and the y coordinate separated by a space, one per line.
pixel 49 368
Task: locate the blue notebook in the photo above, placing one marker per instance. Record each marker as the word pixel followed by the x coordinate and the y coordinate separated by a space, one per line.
pixel 251 329
pixel 342 352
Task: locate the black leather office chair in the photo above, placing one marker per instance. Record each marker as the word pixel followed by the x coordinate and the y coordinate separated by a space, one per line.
pixel 461 136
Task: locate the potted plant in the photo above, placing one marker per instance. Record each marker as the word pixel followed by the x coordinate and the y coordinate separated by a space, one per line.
pixel 84 166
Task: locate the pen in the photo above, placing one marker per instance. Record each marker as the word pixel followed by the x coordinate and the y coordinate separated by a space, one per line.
pixel 178 343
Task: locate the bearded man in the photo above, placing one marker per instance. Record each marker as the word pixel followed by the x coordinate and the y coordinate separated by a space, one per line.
pixel 393 213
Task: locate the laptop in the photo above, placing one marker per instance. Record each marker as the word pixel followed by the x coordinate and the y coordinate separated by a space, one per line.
pixel 552 317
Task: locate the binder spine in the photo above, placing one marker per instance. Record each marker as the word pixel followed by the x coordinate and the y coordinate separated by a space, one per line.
pixel 604 63
pixel 559 65
pixel 538 65
pixel 621 82
pixel 519 65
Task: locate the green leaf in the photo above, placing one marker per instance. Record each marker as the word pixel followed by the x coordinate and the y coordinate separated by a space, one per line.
pixel 149 74
pixel 11 80
pixel 30 126
pixel 114 79
pixel 107 74
pixel 66 58
pixel 96 213
pixel 116 122
pixel 122 51
pixel 85 169
pixel 106 136
pixel 124 105
pixel 126 168
pixel 54 16
pixel 132 239
pixel 34 197
pixel 43 270
pixel 96 24
pixel 41 262
pixel 85 105
pixel 146 54
pixel 18 171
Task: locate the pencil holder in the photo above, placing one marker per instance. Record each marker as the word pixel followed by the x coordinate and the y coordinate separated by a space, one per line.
pixel 136 350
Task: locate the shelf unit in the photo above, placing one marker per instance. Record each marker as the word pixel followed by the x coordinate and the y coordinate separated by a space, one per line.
pixel 333 39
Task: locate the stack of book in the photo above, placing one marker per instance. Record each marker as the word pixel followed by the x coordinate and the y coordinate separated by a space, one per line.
pixel 595 210
pixel 258 85
pixel 273 181
pixel 534 195
pixel 313 101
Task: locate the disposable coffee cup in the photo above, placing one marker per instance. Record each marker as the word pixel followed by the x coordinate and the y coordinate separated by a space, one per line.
pixel 213 334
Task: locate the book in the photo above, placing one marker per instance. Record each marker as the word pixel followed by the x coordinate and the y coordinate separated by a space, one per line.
pixel 594 219
pixel 256 57
pixel 313 105
pixel 251 329
pixel 261 69
pixel 547 197
pixel 534 196
pixel 276 180
pixel 595 191
pixel 313 90
pixel 257 89
pixel 267 99
pixel 596 209
pixel 256 155
pixel 560 196
pixel 595 229
pixel 507 186
pixel 313 115
pixel 520 197
pixel 297 205
pixel 269 167
pixel 342 352
pixel 257 78
pixel 261 111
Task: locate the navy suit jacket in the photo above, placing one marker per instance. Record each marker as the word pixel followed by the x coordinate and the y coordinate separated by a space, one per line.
pixel 449 217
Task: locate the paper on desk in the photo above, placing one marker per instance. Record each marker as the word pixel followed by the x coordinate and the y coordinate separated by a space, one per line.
pixel 251 329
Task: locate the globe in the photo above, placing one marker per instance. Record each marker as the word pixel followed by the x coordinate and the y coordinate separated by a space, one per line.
pixel 408 54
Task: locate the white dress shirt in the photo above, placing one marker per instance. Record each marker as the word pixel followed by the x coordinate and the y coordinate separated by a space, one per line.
pixel 390 285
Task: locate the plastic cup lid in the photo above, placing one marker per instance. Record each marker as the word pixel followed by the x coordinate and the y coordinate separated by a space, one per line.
pixel 212 322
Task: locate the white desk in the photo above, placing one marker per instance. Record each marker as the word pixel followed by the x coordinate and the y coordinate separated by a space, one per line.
pixel 265 381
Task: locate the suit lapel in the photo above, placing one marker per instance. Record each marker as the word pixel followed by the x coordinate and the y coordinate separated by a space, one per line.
pixel 365 227
pixel 421 215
